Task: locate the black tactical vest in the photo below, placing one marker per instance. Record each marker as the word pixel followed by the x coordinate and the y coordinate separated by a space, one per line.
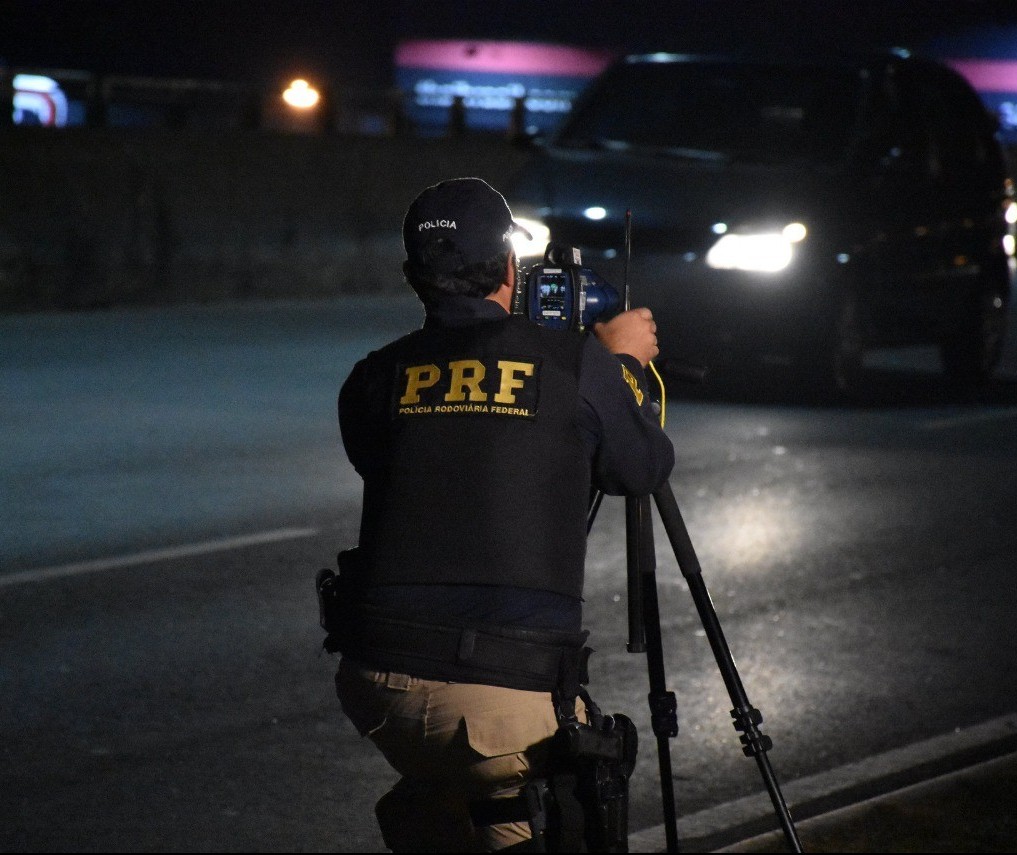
pixel 485 480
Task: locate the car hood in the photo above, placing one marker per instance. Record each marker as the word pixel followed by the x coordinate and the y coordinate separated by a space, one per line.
pixel 675 201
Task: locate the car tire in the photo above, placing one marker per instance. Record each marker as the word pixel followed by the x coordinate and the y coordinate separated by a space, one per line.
pixel 834 364
pixel 971 353
pixel 831 367
pixel 846 351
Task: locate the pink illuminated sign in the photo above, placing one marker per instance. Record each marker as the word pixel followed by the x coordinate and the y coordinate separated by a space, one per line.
pixel 502 57
pixel 492 79
pixel 988 75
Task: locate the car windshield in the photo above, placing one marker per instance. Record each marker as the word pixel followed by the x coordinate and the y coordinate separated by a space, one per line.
pixel 716 110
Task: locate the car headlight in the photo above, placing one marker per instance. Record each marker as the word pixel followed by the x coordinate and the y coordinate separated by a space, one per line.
pixel 758 252
pixel 527 247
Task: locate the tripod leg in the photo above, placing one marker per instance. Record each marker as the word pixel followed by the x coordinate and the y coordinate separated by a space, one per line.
pixel 754 743
pixel 644 635
pixel 637 559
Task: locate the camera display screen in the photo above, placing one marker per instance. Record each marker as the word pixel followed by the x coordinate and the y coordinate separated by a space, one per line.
pixel 552 295
pixel 563 296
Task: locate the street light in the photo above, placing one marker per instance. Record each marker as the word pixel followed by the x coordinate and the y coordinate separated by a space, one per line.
pixel 301 95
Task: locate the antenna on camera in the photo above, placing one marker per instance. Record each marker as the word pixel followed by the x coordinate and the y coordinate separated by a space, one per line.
pixel 628 255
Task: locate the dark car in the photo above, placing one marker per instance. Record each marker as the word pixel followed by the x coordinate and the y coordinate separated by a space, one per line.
pixel 801 211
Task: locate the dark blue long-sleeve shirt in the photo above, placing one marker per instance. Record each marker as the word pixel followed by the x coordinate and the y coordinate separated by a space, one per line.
pixel 629 453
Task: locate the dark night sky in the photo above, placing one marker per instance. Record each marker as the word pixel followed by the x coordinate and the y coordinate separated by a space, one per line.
pixel 352 42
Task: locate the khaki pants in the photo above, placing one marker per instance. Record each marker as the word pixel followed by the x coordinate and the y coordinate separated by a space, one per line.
pixel 452 743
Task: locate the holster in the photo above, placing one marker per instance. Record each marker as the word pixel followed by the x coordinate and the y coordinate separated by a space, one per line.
pixel 337 598
pixel 582 804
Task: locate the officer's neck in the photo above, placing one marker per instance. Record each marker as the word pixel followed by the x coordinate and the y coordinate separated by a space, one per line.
pixel 503 296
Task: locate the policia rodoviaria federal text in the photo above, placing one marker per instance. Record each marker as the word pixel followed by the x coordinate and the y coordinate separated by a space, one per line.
pixel 480 438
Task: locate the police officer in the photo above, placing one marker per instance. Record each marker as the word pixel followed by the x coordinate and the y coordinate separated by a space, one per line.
pixel 479 437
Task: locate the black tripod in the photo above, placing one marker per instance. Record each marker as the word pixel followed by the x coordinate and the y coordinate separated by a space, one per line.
pixel 644 625
pixel 644 636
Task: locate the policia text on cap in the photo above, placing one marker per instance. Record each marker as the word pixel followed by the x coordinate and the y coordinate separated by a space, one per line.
pixel 459 615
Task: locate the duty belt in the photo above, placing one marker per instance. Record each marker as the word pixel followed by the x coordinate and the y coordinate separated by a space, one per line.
pixel 535 660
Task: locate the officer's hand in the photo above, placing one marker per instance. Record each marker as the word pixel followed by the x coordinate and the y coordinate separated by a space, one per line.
pixel 633 332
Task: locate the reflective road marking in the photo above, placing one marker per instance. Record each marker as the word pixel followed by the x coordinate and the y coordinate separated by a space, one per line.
pixel 41 574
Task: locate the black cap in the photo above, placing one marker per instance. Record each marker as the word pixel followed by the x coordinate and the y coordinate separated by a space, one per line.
pixel 457 222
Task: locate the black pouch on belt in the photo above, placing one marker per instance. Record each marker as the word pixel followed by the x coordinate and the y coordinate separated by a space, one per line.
pixel 337 598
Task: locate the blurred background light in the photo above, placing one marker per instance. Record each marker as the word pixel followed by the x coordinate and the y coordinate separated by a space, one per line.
pixel 39 100
pixel 536 243
pixel 301 95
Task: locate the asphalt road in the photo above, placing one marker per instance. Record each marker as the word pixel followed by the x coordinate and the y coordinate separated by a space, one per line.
pixel 172 480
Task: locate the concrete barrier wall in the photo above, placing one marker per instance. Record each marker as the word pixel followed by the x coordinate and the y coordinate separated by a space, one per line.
pixel 93 218
pixel 103 217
